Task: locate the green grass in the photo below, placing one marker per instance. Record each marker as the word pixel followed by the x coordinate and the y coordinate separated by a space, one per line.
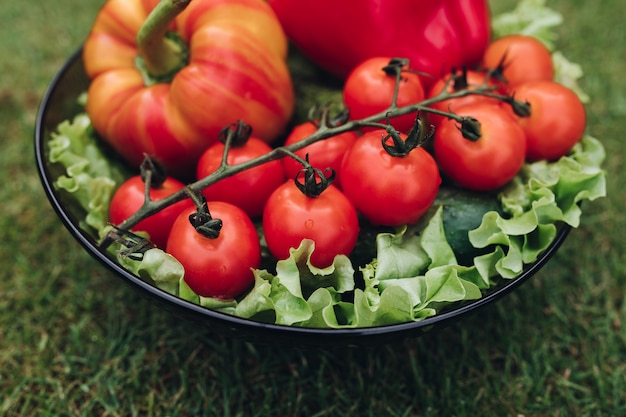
pixel 75 341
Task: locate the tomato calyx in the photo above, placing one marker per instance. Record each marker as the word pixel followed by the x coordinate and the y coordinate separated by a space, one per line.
pixel 313 181
pixel 497 73
pixel 395 66
pixel 401 146
pixel 153 172
pixel 206 225
pixel 470 128
pixel 201 220
pixel 235 134
pixel 520 109
pixel 459 80
pixel 321 116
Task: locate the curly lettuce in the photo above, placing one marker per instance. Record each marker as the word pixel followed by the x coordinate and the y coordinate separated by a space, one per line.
pixel 89 176
pixel 531 18
pixel 541 196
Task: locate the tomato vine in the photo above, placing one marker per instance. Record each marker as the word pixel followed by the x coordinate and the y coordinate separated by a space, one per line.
pixel 328 124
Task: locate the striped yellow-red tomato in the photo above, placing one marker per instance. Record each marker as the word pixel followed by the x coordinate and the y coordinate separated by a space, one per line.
pixel 235 70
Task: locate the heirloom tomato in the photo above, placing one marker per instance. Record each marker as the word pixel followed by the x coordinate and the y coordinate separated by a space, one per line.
pixel 557 119
pixel 369 90
pixel 389 190
pixel 218 267
pixel 322 154
pixel 129 197
pixel 168 91
pixel 329 219
pixel 486 162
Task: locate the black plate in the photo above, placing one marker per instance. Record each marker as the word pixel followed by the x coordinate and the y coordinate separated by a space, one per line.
pixel 60 103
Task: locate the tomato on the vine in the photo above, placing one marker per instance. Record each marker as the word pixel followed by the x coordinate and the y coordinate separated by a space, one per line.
pixel 519 58
pixel 457 81
pixel 557 119
pixel 129 197
pixel 249 189
pixel 219 267
pixel 329 219
pixel 389 190
pixel 322 154
pixel 486 162
pixel 369 89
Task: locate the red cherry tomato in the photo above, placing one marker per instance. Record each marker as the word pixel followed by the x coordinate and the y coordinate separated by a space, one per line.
pixel 323 154
pixel 129 197
pixel 389 190
pixel 248 190
pixel 217 267
pixel 330 220
pixel 368 90
pixel 524 58
pixel 557 120
pixel 488 162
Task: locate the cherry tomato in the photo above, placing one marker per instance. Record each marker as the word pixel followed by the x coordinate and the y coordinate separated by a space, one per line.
pixel 330 220
pixel 218 267
pixel 489 162
pixel 129 197
pixel 368 90
pixel 455 82
pixel 323 154
pixel 557 120
pixel 524 58
pixel 248 190
pixel 389 190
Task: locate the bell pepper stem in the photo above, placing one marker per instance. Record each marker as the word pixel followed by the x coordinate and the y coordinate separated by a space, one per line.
pixel 161 54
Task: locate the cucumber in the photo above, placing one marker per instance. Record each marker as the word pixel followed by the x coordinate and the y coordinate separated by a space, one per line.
pixel 463 211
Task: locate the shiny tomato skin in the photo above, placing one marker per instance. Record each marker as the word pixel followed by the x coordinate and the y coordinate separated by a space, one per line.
pixel 389 190
pixel 369 90
pixel 474 79
pixel 489 162
pixel 129 197
pixel 323 154
pixel 525 59
pixel 330 220
pixel 220 267
pixel 557 120
pixel 248 190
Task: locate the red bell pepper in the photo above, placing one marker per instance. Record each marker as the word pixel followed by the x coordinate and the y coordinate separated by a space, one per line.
pixel 206 64
pixel 435 35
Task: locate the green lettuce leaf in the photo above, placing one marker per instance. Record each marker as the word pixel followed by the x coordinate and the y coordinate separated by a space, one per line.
pixel 543 195
pixel 157 266
pixel 88 177
pixel 568 74
pixel 399 254
pixel 285 293
pixel 530 17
